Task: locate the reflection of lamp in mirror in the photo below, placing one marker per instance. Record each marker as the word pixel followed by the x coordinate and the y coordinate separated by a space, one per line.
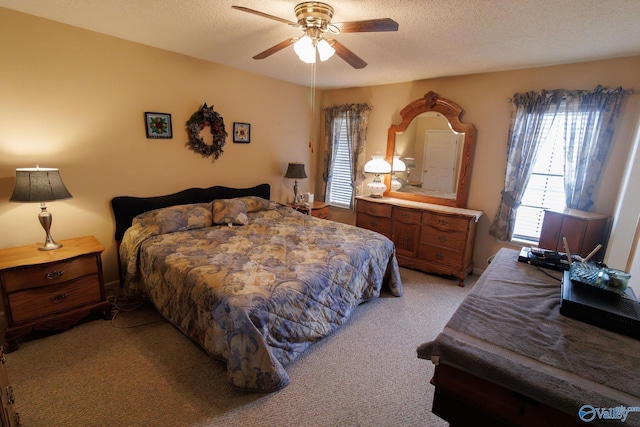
pixel 410 162
pixel 296 171
pixel 40 185
pixel 398 166
pixel 376 166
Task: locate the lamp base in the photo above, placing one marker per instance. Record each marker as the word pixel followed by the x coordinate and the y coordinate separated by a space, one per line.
pixel 49 245
pixel 45 220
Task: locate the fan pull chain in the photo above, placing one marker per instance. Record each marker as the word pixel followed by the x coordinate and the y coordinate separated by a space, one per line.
pixel 313 104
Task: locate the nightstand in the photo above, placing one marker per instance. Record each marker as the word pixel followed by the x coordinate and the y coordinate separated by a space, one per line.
pixel 51 290
pixel 318 209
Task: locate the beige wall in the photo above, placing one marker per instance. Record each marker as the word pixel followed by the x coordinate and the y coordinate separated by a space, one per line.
pixel 75 100
pixel 484 97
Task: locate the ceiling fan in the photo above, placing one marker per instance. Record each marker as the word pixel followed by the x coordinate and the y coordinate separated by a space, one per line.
pixel 314 19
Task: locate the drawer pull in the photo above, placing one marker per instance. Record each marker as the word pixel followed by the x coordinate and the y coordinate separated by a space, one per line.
pixel 10 397
pixel 374 224
pixel 440 257
pixel 59 297
pixel 443 222
pixel 372 210
pixel 53 275
pixel 442 238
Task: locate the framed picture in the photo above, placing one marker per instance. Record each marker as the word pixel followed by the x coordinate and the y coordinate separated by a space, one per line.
pixel 158 125
pixel 241 132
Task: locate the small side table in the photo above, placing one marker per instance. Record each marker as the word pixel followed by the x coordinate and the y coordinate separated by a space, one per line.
pixel 318 209
pixel 51 290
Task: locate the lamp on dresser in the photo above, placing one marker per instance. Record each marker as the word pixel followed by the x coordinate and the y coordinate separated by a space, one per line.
pixel 296 171
pixel 41 185
pixel 377 165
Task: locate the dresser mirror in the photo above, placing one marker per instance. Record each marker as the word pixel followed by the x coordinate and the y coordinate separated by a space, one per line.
pixel 430 151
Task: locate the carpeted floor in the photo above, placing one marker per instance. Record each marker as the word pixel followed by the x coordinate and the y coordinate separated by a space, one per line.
pixel 365 374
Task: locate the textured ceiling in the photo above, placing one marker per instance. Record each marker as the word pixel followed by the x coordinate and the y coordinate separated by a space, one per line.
pixel 435 38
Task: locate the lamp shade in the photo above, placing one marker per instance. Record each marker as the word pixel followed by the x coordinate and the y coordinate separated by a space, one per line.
pixel 377 165
pixel 296 171
pixel 398 165
pixel 39 185
pixel 410 162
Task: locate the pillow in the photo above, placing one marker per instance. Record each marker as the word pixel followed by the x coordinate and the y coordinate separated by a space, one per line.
pixel 230 211
pixel 177 218
pixel 255 203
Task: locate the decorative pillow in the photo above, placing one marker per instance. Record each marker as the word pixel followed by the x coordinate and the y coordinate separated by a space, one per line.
pixel 177 218
pixel 255 203
pixel 230 211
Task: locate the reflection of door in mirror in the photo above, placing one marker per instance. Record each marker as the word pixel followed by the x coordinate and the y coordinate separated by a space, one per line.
pixel 436 151
pixel 441 158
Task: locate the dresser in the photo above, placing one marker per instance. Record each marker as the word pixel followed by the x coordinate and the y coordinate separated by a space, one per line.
pixel 584 231
pixel 428 237
pixel 51 290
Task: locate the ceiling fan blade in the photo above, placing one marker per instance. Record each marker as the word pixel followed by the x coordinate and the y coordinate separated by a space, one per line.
pixel 264 15
pixel 274 49
pixel 348 56
pixel 370 25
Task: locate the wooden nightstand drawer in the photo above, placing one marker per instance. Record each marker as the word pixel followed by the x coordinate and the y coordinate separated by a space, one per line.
pixel 35 303
pixel 49 274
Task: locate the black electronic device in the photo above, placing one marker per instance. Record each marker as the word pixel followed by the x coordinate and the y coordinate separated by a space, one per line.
pixel 544 258
pixel 600 307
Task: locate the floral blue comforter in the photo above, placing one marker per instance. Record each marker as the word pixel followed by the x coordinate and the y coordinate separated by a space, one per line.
pixel 258 287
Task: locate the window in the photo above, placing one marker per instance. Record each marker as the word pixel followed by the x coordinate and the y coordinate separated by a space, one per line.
pixel 340 191
pixel 545 189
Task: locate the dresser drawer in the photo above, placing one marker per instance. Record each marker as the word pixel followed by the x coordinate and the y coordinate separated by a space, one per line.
pixel 374 209
pixel 406 215
pixel 438 237
pixel 445 222
pixel 48 274
pixel 442 256
pixel 35 303
pixel 374 223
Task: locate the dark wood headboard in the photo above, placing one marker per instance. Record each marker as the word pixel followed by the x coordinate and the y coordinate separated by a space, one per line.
pixel 125 208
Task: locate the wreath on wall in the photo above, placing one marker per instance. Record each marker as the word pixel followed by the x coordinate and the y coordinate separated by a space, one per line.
pixel 206 116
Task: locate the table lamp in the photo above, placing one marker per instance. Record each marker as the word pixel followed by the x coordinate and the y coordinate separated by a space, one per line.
pixel 40 185
pixel 397 166
pixel 410 162
pixel 376 166
pixel 296 171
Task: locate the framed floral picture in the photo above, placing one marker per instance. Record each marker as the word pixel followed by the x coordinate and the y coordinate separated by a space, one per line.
pixel 241 132
pixel 158 125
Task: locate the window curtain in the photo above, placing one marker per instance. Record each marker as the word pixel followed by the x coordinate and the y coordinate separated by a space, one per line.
pixel 591 117
pixel 357 117
pixel 525 133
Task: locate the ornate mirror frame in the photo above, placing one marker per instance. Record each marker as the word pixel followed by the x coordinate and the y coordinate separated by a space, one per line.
pixel 452 112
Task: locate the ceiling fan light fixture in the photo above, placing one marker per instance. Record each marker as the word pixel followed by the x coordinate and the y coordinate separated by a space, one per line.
pixel 305 49
pixel 325 50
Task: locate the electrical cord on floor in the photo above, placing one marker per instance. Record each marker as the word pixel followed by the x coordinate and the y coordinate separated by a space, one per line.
pixel 123 303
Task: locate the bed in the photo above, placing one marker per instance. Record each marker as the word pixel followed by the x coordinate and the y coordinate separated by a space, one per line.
pixel 508 357
pixel 253 281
